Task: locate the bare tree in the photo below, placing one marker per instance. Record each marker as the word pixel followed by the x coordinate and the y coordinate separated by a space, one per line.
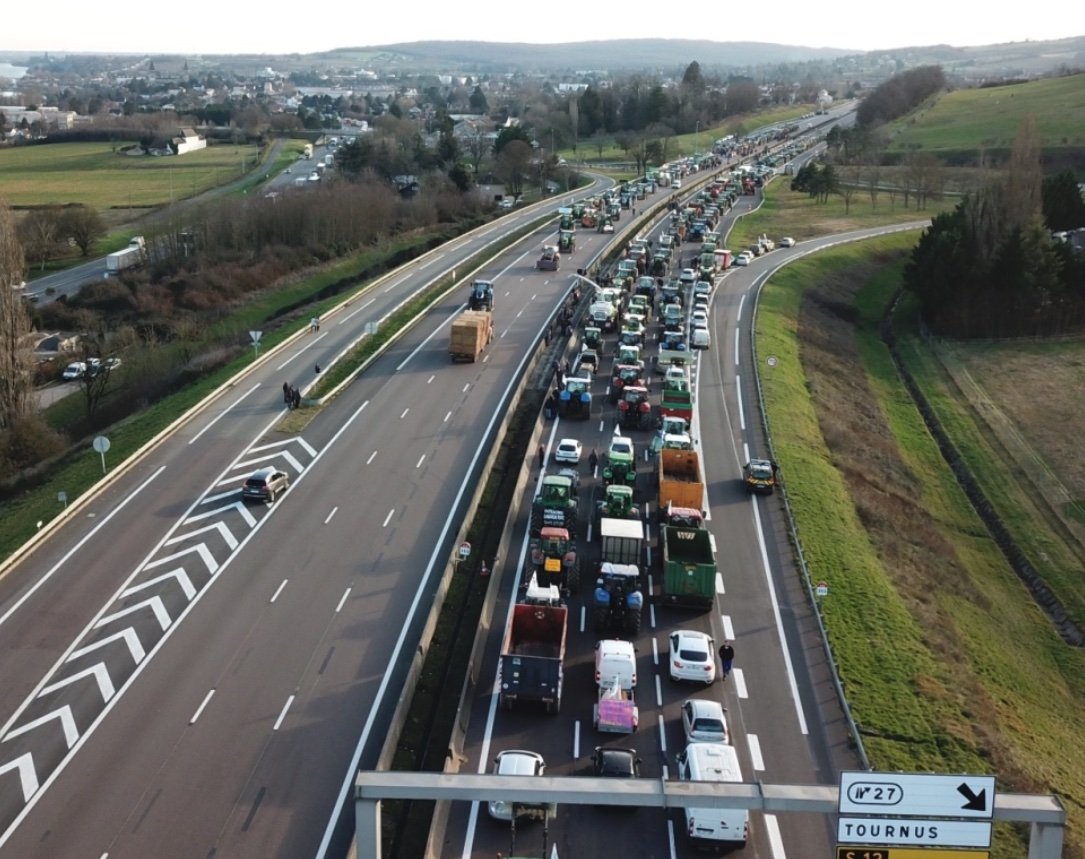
pixel 83 225
pixel 39 232
pixel 873 176
pixel 16 356
pixel 513 166
pixel 476 147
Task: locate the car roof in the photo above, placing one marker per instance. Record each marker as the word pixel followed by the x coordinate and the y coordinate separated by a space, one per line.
pixel 518 762
pixel 701 707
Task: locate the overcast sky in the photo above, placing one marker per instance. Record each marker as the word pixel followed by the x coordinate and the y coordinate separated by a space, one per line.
pixel 215 27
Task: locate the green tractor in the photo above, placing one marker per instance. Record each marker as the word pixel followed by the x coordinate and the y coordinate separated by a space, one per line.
pixel 553 560
pixel 593 338
pixel 556 504
pixel 618 503
pixel 566 241
pixel 565 219
pixel 621 464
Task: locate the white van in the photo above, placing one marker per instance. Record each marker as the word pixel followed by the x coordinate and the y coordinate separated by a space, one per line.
pixel 614 658
pixel 700 338
pixel 711 827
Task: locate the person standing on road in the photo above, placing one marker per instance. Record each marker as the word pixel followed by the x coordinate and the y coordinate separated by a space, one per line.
pixel 593 461
pixel 542 456
pixel 727 657
pixel 286 393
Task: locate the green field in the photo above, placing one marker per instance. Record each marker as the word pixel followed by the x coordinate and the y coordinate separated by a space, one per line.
pixel 97 176
pixel 990 118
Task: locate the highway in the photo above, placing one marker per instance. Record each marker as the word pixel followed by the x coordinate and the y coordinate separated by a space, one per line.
pixel 785 721
pixel 188 675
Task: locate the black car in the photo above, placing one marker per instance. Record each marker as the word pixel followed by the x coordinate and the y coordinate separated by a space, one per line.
pixel 615 763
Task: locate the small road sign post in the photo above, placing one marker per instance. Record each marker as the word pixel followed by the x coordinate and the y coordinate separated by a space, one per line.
pixel 101 444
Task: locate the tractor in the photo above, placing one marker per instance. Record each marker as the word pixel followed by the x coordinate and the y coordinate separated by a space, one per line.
pixel 593 338
pixel 618 599
pixel 618 503
pixel 634 410
pixel 624 374
pixel 482 295
pixel 566 241
pixel 556 504
pixel 553 559
pixel 574 400
pixel 621 464
pixel 565 219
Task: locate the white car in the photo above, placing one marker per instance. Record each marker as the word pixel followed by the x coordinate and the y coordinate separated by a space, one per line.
pixel 688 277
pixel 787 242
pixel 702 287
pixel 507 203
pixel 742 259
pixel 692 656
pixel 516 762
pixel 703 721
pixel 75 370
pixel 699 319
pixel 568 450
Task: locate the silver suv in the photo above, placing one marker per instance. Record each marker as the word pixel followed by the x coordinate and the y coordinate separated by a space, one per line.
pixel 265 485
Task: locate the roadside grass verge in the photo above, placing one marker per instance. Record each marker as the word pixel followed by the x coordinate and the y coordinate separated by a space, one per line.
pixel 945 660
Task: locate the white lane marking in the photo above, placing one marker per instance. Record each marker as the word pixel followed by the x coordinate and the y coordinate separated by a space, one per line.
pixel 466 387
pixel 741 408
pixel 447 416
pixel 792 682
pixel 432 334
pixel 655 652
pixel 388 518
pixel 206 700
pixel 583 616
pixel 342 601
pixel 402 416
pixel 659 692
pixel 651 613
pixel 90 534
pixel 429 381
pixel 282 715
pixel 740 683
pixel 738 333
pixel 330 515
pixel 576 739
pixel 662 734
pixel 746 452
pixel 728 627
pixel 372 456
pixel 670 829
pixel 298 354
pixel 278 591
pixel 421 459
pixel 719 584
pixel 776 841
pixel 223 414
pixel 755 752
pixel 741 302
pixel 354 313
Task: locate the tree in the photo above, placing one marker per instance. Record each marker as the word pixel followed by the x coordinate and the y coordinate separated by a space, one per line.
pixel 514 166
pixel 39 231
pixel 476 147
pixel 509 134
pixel 83 225
pixel 478 101
pixel 16 356
pixel 1064 208
pixel 692 80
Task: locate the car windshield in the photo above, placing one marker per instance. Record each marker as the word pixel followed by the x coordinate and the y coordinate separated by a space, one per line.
pixel 621 447
pixel 714 726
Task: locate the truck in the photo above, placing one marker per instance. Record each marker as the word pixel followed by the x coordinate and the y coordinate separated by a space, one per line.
pixel 677 398
pixel 307 151
pixel 533 650
pixel 120 260
pixel 689 566
pixel 680 480
pixel 471 332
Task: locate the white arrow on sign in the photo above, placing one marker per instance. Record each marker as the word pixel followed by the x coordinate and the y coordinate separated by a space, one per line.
pixel 917 794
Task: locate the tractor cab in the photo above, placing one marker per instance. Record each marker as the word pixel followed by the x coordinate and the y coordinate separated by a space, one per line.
pixel 634 410
pixel 554 559
pixel 566 241
pixel 618 503
pixel 593 337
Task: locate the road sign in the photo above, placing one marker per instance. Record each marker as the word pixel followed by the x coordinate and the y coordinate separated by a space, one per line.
pixel 913 831
pixel 822 589
pixel 917 794
pixel 871 852
pixel 465 551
